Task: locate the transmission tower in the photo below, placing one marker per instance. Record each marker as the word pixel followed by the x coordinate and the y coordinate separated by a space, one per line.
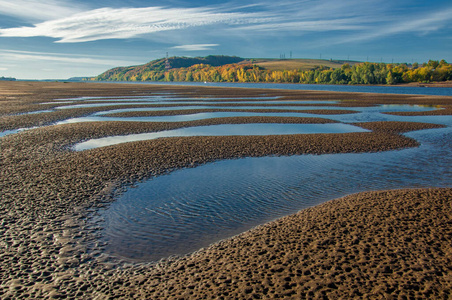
pixel 167 64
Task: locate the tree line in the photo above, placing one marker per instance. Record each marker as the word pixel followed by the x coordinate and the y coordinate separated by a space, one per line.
pixel 363 73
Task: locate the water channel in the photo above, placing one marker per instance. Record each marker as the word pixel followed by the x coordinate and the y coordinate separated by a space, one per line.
pixel 439 91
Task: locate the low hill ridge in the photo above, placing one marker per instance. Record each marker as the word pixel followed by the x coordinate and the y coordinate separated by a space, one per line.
pixel 311 71
pixel 158 65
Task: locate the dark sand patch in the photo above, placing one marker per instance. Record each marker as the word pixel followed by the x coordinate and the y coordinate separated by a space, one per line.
pixel 396 127
pixel 129 114
pixel 446 111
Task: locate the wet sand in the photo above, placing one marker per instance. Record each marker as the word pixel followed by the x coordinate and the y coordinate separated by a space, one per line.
pixel 368 245
pixel 440 112
pixel 129 114
pixel 430 84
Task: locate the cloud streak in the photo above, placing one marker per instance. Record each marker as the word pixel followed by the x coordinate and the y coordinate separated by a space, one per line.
pixel 109 23
pixel 38 10
pixel 422 25
pixel 356 19
pixel 196 47
pixel 318 25
pixel 21 56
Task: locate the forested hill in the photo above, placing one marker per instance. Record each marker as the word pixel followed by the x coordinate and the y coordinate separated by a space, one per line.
pixel 236 69
pixel 154 70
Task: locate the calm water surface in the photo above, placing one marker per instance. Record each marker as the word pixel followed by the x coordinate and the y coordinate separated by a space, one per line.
pixel 223 130
pixel 318 87
pixel 191 208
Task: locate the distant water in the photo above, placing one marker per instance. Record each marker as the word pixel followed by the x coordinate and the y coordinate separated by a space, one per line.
pixel 443 91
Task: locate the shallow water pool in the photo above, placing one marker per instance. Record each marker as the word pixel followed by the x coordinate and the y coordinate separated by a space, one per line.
pixel 191 208
pixel 223 130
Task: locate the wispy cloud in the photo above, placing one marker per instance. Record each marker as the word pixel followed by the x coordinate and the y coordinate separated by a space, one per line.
pixel 40 10
pixel 358 20
pixel 424 23
pixel 420 24
pixel 196 47
pixel 22 56
pixel 109 23
pixel 318 25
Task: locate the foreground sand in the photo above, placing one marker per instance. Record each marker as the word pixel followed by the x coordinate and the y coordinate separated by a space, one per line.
pixel 369 245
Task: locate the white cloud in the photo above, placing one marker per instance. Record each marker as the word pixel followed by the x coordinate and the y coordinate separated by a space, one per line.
pixel 196 47
pixel 109 23
pixel 3 69
pixel 359 20
pixel 22 56
pixel 38 10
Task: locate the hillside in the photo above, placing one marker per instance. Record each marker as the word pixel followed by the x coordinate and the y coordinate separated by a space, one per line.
pixel 154 70
pixel 298 63
pixel 136 72
pixel 311 71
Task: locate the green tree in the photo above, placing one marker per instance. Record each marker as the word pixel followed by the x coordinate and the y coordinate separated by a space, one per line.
pixel 390 78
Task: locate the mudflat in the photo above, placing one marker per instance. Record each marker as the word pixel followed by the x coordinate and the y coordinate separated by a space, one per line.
pixel 370 245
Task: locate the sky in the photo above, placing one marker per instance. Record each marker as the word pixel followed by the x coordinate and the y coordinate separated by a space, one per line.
pixel 59 39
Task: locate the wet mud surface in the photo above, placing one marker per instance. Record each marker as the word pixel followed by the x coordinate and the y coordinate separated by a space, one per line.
pixel 368 245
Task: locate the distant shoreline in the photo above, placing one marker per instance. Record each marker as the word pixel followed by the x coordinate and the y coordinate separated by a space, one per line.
pixel 439 84
pixel 442 84
pixel 368 89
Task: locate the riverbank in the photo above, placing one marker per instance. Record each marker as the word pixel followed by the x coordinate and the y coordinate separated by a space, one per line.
pixel 447 84
pixel 48 193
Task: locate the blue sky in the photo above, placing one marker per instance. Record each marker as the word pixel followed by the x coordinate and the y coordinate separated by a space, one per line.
pixel 58 39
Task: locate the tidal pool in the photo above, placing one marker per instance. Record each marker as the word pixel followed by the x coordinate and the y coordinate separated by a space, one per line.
pixel 8 132
pixel 222 130
pixel 188 209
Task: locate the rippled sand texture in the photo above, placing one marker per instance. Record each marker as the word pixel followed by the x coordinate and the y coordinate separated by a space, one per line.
pixel 372 244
